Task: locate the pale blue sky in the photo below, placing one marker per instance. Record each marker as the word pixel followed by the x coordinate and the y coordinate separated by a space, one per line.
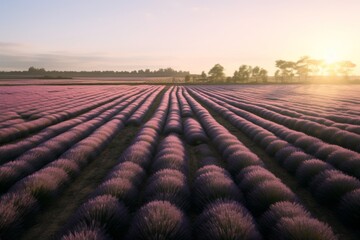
pixel 182 34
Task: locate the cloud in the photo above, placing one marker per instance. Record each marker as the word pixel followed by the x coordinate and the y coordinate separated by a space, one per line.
pixel 9 44
pixel 15 56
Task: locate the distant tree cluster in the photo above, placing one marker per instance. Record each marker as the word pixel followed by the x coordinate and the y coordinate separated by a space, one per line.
pixel 36 70
pixel 306 67
pixel 245 74
pixel 162 72
pixel 288 71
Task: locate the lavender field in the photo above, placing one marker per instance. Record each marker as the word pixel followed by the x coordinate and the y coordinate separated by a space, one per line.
pixel 180 162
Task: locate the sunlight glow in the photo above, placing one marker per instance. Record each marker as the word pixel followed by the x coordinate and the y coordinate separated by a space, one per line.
pixel 331 56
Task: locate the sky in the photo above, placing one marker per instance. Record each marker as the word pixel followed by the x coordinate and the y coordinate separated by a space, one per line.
pixel 181 34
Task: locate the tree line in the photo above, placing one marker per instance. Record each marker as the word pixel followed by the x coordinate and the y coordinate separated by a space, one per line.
pixel 306 67
pixel 41 72
pixel 287 71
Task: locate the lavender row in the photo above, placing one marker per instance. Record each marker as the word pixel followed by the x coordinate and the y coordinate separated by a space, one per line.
pixel 193 132
pixel 173 122
pixel 328 134
pixel 137 117
pixel 13 150
pixel 292 113
pixel 219 202
pixel 47 100
pixel 260 196
pixel 98 218
pixel 19 130
pixel 327 101
pixel 166 196
pixel 343 159
pixel 22 104
pixel 329 187
pixel 184 106
pixel 37 189
pixel 48 151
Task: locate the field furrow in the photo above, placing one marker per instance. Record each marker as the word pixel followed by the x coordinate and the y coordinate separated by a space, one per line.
pixel 180 162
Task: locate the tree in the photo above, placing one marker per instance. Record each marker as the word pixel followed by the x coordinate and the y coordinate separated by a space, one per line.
pixel 243 74
pixel 36 70
pixel 255 73
pixel 345 67
pixel 278 76
pixel 229 79
pixel 263 75
pixel 203 75
pixel 286 69
pixel 302 68
pixel 187 78
pixel 217 73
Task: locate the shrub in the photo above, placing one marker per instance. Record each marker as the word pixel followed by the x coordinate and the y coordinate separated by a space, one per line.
pixel 351 167
pixel 44 185
pixel 70 167
pixel 266 193
pixel 15 209
pixel 349 208
pixel 337 158
pixel 212 186
pixel 169 161
pixel 319 178
pixel 194 133
pixel 313 148
pixel 260 136
pixel 169 188
pixel 223 144
pixel 173 126
pixel 293 161
pixel 310 168
pixel 120 188
pixel 265 142
pixel 105 211
pixel 239 160
pixel 333 188
pixel 302 228
pixel 233 148
pixel 137 154
pixel 275 146
pixel 283 153
pixel 254 178
pixel 294 136
pixel 128 175
pixel 210 169
pixel 130 166
pixel 170 150
pixel 203 150
pixel 279 210
pixel 167 173
pixel 226 220
pixel 204 161
pixel 159 220
pixel 324 151
pixel 246 171
pixel 86 232
pixel 305 142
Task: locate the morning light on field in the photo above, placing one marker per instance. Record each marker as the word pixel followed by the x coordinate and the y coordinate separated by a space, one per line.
pixel 179 120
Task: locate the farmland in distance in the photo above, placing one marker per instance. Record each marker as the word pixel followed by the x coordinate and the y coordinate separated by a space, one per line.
pixel 180 162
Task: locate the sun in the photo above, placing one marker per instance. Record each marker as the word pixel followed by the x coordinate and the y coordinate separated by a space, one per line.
pixel 331 56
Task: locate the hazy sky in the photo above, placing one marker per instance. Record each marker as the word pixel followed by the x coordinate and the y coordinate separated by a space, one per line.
pixel 182 34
